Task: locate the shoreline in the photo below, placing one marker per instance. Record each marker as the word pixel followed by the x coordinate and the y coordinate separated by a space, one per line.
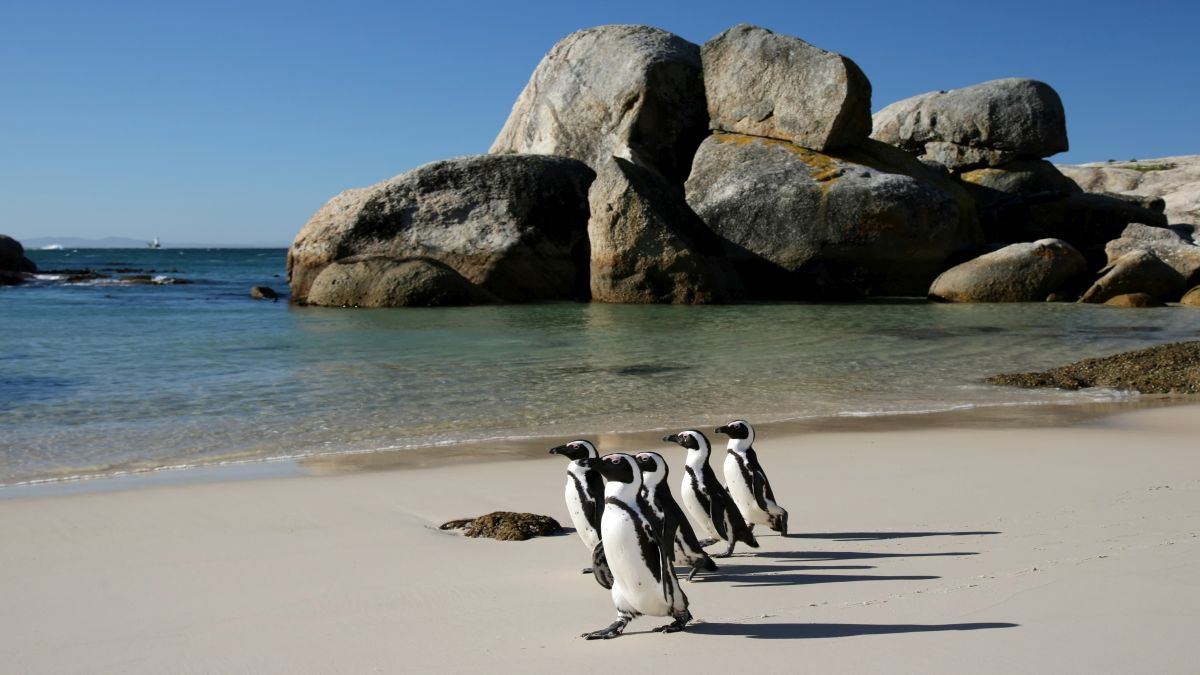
pixel 533 446
pixel 988 546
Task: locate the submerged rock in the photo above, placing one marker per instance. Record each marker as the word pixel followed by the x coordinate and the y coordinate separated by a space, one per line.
pixel 264 293
pixel 1135 300
pixel 1165 369
pixel 634 92
pixel 387 282
pixel 506 526
pixel 761 83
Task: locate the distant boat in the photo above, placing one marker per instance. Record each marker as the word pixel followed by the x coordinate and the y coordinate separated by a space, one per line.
pixel 154 244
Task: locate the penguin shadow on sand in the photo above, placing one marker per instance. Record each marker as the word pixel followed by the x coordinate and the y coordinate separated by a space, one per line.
pixel 810 631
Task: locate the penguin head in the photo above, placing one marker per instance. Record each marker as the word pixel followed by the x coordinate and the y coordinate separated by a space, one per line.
pixel 617 467
pixel 738 430
pixel 653 467
pixel 691 439
pixel 576 450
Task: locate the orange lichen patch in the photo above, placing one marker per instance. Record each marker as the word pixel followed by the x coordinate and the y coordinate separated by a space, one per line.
pixel 823 167
pixel 978 176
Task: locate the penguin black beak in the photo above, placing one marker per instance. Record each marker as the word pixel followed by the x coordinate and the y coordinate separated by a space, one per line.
pixel 558 450
pixel 673 438
pixel 721 430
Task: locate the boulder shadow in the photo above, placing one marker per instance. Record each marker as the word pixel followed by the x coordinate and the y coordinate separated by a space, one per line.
pixel 809 631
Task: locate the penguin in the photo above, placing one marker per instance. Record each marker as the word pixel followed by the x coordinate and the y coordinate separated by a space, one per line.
pixel 705 500
pixel 584 495
pixel 747 482
pixel 671 523
pixel 644 580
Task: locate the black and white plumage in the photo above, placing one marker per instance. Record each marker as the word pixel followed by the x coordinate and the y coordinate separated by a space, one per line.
pixel 706 501
pixel 644 580
pixel 671 523
pixel 584 494
pixel 747 482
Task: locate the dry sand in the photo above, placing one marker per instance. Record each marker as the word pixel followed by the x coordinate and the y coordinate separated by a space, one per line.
pixel 1068 549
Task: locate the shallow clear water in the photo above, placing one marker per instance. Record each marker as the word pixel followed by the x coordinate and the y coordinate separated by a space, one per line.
pixel 100 378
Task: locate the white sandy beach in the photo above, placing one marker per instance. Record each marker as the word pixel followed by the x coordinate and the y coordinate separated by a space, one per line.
pixel 947 550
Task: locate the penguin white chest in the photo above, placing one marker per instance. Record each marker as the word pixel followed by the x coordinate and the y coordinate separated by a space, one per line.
pixel 699 515
pixel 634 585
pixel 742 492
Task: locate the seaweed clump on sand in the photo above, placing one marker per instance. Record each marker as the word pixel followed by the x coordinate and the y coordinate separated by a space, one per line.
pixel 1166 369
pixel 506 526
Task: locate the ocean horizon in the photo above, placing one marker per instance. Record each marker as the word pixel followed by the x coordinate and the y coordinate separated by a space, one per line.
pixel 103 378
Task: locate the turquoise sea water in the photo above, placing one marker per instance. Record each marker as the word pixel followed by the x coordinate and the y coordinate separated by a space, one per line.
pixel 103 378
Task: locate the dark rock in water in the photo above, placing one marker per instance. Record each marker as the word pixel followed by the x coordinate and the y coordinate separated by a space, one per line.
pixel 634 92
pixel 1135 300
pixel 506 526
pixel 986 124
pixel 1137 272
pixel 1165 369
pixel 648 246
pixel 803 225
pixel 1017 273
pixel 264 293
pixel 514 225
pixel 760 83
pixel 363 281
pixel 14 266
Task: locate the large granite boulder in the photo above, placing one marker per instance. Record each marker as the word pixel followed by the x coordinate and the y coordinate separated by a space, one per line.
pixel 1022 177
pixel 648 246
pixel 1029 272
pixel 631 91
pixel 14 266
pixel 1191 298
pixel 799 224
pixel 761 83
pixel 986 124
pixel 514 225
pixel 386 282
pixel 1136 272
pixel 1176 180
pixel 1168 245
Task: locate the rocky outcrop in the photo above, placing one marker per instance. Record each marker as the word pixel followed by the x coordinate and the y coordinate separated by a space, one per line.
pixel 1022 177
pixel 1018 273
pixel 799 224
pixel 1176 180
pixel 514 225
pixel 634 92
pixel 1166 244
pixel 987 124
pixel 1136 272
pixel 264 293
pixel 1165 369
pixel 647 244
pixel 761 83
pixel 14 266
pixel 387 282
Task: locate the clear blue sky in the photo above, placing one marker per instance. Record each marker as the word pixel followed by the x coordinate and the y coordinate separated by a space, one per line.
pixel 231 122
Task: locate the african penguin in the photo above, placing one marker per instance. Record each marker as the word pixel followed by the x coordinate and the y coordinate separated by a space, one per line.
pixel 584 495
pixel 747 482
pixel 705 500
pixel 644 580
pixel 670 521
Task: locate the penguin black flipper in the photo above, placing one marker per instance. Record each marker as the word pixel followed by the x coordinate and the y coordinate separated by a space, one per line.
pixel 760 486
pixel 593 506
pixel 600 568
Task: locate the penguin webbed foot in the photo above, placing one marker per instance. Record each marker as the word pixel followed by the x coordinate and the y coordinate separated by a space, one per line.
pixel 677 625
pixel 613 630
pixel 728 552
